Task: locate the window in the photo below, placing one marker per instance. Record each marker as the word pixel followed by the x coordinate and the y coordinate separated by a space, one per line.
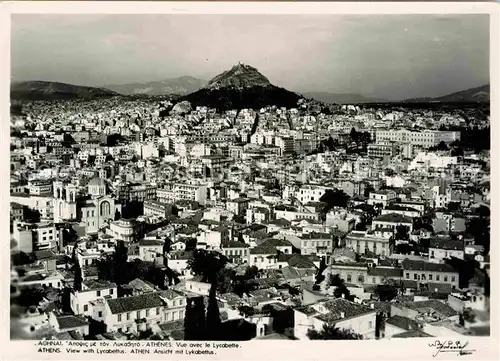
pixel 181 314
pixel 85 308
pixel 157 310
pixel 430 277
pixel 415 277
pixel 147 313
pixel 407 275
pixel 174 302
pixel 452 278
pixel 111 291
pixel 100 313
pixel 180 302
pixel 446 278
pixel 349 278
pixel 98 293
pixel 119 318
pixel 370 324
pixel 128 316
pixel 437 277
pixel 373 280
pixel 138 314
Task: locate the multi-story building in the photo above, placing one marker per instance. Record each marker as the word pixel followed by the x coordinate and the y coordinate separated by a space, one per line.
pixel 40 188
pixel 381 150
pixel 378 242
pixel 83 302
pixel 393 221
pixel 425 138
pixel 189 191
pixel 344 314
pixel 384 197
pixel 319 244
pixel 31 237
pixel 236 252
pixel 157 209
pixel 442 249
pixel 424 272
pixel 127 230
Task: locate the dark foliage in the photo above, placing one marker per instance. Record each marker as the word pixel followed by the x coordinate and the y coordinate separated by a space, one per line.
pixel 341 288
pixel 334 198
pixel 319 274
pixel 465 268
pixel 194 320
pixel 213 321
pixel 386 292
pixel 331 332
pixel 31 297
pixel 20 259
pixel 254 97
pixel 207 264
pixel 78 279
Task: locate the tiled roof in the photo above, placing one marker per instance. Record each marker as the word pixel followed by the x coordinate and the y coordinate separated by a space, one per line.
pixel 338 305
pixel 385 272
pixel 394 218
pixel 446 244
pixel 412 334
pixel 403 322
pixel 300 261
pixel 42 255
pixel 411 265
pixel 97 285
pixel 71 321
pixel 435 305
pixel 150 242
pixel 290 272
pixel 171 294
pixel 135 303
pixel 269 246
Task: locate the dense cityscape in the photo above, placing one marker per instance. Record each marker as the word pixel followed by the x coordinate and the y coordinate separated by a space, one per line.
pixel 148 218
pixel 345 197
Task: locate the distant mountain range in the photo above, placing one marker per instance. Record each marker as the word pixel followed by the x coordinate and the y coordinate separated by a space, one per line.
pixel 181 86
pixel 338 98
pixel 479 94
pixel 46 90
pixel 242 86
pixel 474 95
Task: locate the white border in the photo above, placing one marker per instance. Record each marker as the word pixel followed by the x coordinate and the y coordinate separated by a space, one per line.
pixel 486 347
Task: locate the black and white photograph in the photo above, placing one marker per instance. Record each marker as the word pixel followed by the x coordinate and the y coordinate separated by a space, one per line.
pixel 247 177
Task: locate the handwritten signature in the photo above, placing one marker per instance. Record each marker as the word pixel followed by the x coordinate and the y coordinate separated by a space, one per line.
pixel 451 346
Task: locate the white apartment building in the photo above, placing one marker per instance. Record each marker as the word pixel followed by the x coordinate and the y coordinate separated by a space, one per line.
pixel 426 138
pixel 385 197
pixel 183 191
pixel 343 313
pixel 83 302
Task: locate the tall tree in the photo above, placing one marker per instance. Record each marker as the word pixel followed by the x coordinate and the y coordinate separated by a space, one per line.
pixel 319 275
pixel 167 247
pixel 78 279
pixel 120 259
pixel 340 287
pixel 213 322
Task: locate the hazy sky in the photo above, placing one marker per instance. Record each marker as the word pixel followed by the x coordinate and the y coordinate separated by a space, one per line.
pixel 385 56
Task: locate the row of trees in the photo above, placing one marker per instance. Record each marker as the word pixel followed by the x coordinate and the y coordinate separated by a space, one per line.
pixel 198 324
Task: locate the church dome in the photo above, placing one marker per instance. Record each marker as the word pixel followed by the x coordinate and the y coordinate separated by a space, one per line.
pixel 97 187
pixel 96 181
